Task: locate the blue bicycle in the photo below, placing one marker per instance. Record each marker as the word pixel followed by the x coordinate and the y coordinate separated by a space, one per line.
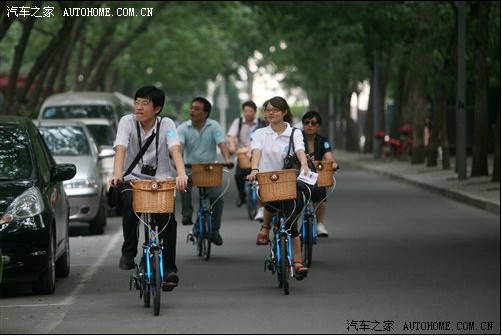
pixel 308 231
pixel 279 186
pixel 151 197
pixel 205 175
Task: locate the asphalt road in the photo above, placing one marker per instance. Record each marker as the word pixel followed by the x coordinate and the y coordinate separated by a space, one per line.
pixel 399 259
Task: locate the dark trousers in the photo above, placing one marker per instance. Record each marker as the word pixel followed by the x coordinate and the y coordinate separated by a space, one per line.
pixel 293 208
pixel 240 177
pixel 131 229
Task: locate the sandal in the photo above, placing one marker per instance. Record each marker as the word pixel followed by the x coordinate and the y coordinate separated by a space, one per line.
pixel 262 238
pixel 300 270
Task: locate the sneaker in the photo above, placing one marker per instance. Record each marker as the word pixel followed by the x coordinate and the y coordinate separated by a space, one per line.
pixel 170 281
pixel 321 230
pixel 259 215
pixel 126 263
pixel 217 240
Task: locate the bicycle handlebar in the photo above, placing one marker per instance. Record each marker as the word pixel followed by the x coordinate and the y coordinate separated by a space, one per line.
pixel 229 165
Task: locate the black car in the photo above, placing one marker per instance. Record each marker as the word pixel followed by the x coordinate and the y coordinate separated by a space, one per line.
pixel 34 208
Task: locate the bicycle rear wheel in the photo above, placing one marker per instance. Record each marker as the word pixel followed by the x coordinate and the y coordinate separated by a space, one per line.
pixel 156 282
pixel 307 240
pixel 284 264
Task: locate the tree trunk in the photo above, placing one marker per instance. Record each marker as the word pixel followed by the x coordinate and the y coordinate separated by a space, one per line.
pixel 496 151
pixel 480 136
pixel 12 104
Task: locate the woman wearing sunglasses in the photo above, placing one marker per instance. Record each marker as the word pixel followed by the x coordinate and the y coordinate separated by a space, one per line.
pixel 317 148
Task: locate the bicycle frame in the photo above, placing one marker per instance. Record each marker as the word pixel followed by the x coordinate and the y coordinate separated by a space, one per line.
pixel 150 245
pixel 150 271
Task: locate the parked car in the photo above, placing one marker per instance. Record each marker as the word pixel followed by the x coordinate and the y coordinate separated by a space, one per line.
pixel 34 207
pixel 103 133
pixel 87 104
pixel 71 141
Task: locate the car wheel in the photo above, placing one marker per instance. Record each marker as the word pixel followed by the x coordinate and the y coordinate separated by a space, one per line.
pixel 97 225
pixel 63 263
pixel 46 282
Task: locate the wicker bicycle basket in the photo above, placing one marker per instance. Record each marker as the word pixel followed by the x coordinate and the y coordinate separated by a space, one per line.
pixel 207 174
pixel 153 196
pixel 277 185
pixel 325 171
pixel 242 156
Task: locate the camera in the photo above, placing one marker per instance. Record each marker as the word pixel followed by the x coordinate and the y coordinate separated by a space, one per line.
pixel 148 170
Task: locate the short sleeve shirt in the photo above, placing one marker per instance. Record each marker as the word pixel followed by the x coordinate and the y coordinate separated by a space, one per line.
pixel 274 147
pixel 243 137
pixel 321 146
pixel 127 136
pixel 200 146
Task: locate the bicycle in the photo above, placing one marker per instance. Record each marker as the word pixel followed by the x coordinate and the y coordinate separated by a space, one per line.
pixel 205 175
pixel 308 230
pixel 279 186
pixel 149 197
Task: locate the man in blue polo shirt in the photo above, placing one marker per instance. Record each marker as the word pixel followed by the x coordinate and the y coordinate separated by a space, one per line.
pixel 199 138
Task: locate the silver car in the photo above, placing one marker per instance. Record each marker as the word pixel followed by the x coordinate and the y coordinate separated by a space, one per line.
pixel 86 104
pixel 71 141
pixel 103 133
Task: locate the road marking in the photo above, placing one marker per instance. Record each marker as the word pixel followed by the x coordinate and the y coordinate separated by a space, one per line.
pixel 56 313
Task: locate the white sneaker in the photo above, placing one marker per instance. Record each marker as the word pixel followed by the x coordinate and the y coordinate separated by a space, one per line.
pixel 321 230
pixel 259 215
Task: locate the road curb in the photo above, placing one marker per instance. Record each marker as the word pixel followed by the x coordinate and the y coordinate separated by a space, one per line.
pixel 453 194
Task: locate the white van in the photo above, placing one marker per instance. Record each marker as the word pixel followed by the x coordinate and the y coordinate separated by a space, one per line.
pixel 87 104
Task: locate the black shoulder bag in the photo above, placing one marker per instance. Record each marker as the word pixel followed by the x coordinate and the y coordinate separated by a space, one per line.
pixel 291 160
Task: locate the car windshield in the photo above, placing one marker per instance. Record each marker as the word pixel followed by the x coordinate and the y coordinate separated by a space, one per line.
pixel 102 134
pixel 78 111
pixel 66 140
pixel 15 157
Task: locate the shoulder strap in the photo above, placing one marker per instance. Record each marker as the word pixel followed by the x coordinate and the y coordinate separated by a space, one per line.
pixel 291 142
pixel 140 154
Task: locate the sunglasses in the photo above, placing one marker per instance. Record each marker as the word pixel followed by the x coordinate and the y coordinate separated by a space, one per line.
pixel 310 123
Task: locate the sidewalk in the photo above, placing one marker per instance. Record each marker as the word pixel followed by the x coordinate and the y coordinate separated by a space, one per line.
pixel 480 192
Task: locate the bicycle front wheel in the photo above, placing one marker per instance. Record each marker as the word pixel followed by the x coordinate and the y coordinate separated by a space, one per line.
pixel 156 282
pixel 206 237
pixel 307 241
pixel 284 264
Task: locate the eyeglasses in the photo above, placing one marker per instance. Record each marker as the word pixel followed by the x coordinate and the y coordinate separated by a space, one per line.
pixel 310 123
pixel 274 110
pixel 142 102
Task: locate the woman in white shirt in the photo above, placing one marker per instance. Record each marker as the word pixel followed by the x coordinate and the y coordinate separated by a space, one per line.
pixel 269 147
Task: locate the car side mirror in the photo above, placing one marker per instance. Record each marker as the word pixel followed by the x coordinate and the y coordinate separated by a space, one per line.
pixel 106 153
pixel 63 172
